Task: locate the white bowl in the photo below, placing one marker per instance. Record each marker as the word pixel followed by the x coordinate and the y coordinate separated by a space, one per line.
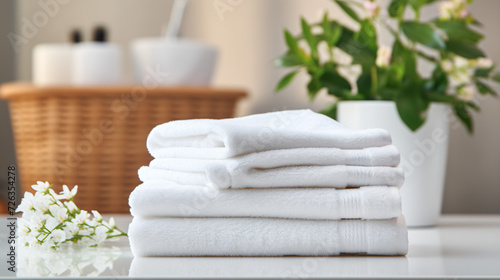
pixel 171 62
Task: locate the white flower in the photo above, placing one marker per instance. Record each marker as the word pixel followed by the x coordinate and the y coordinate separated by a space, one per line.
pixel 59 213
pixel 484 63
pixel 58 236
pixel 41 186
pixel 466 93
pixel 23 228
pixel 372 8
pixel 26 203
pixel 67 194
pixel 100 235
pixel 461 62
pixel 55 195
pixel 453 9
pixel 35 222
pixel 460 77
pixel 70 229
pixel 51 223
pixel 71 205
pixel 97 215
pixel 112 222
pixel 383 56
pixel 447 66
pixel 41 202
pixel 446 10
pixel 109 224
pixel 81 218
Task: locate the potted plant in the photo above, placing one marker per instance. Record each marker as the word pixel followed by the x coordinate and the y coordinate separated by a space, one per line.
pixel 380 86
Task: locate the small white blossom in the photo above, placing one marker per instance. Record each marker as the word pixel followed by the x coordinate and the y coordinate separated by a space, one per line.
pixel 466 93
pixel 461 62
pixel 70 229
pixel 58 236
pixel 59 213
pixel 67 194
pixel 41 186
pixel 447 66
pixel 383 56
pixel 484 63
pixel 26 203
pixel 453 9
pixel 372 8
pixel 71 205
pixel 41 202
pixel 100 234
pixel 97 215
pixel 82 217
pixel 51 223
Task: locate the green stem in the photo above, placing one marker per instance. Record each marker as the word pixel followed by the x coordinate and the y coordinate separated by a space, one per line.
pixel 374 82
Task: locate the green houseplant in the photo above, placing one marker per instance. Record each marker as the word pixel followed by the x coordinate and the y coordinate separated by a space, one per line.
pixel 387 86
pixel 448 43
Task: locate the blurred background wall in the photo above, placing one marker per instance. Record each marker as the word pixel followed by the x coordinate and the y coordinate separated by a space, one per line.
pixel 248 34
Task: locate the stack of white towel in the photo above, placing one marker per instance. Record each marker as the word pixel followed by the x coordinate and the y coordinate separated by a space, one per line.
pixel 283 183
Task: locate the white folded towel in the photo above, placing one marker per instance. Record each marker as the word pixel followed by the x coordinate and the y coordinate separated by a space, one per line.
pixel 218 139
pixel 216 175
pixel 156 198
pixel 265 237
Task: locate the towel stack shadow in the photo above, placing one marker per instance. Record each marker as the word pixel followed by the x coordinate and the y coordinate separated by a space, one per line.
pixel 282 183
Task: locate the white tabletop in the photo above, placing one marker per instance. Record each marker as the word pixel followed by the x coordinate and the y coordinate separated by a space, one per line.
pixel 462 246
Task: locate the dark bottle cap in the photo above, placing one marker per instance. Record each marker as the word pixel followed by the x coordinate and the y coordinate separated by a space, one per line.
pixel 100 34
pixel 76 36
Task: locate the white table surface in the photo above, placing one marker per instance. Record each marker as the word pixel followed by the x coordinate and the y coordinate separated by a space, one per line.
pixel 461 246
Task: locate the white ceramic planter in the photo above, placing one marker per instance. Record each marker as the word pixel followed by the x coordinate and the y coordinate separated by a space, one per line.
pixel 423 153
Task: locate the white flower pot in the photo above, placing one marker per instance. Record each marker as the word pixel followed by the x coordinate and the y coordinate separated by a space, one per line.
pixel 423 153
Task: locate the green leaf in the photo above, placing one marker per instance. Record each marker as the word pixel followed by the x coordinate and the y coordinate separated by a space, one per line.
pixel 496 77
pixel 464 116
pixel 458 30
pixel 422 33
pixel 405 57
pixel 397 8
pixel 464 48
pixel 438 81
pixel 484 88
pixel 292 43
pixel 285 81
pixel 411 105
pixel 309 37
pixel 336 84
pixel 483 72
pixel 314 85
pixel 417 4
pixel 331 31
pixel 367 36
pixel 288 60
pixel 344 6
pixel 364 83
pixel 330 111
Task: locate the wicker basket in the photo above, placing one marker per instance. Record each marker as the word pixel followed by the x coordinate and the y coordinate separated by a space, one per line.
pixel 95 137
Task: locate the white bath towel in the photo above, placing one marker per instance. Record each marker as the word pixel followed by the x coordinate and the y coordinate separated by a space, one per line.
pixel 337 176
pixel 218 139
pixel 156 198
pixel 265 237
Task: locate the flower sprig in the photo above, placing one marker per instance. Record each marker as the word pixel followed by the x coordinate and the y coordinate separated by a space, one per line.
pixel 48 222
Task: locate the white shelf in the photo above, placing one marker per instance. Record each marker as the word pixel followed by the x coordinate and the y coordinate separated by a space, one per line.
pixel 462 246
